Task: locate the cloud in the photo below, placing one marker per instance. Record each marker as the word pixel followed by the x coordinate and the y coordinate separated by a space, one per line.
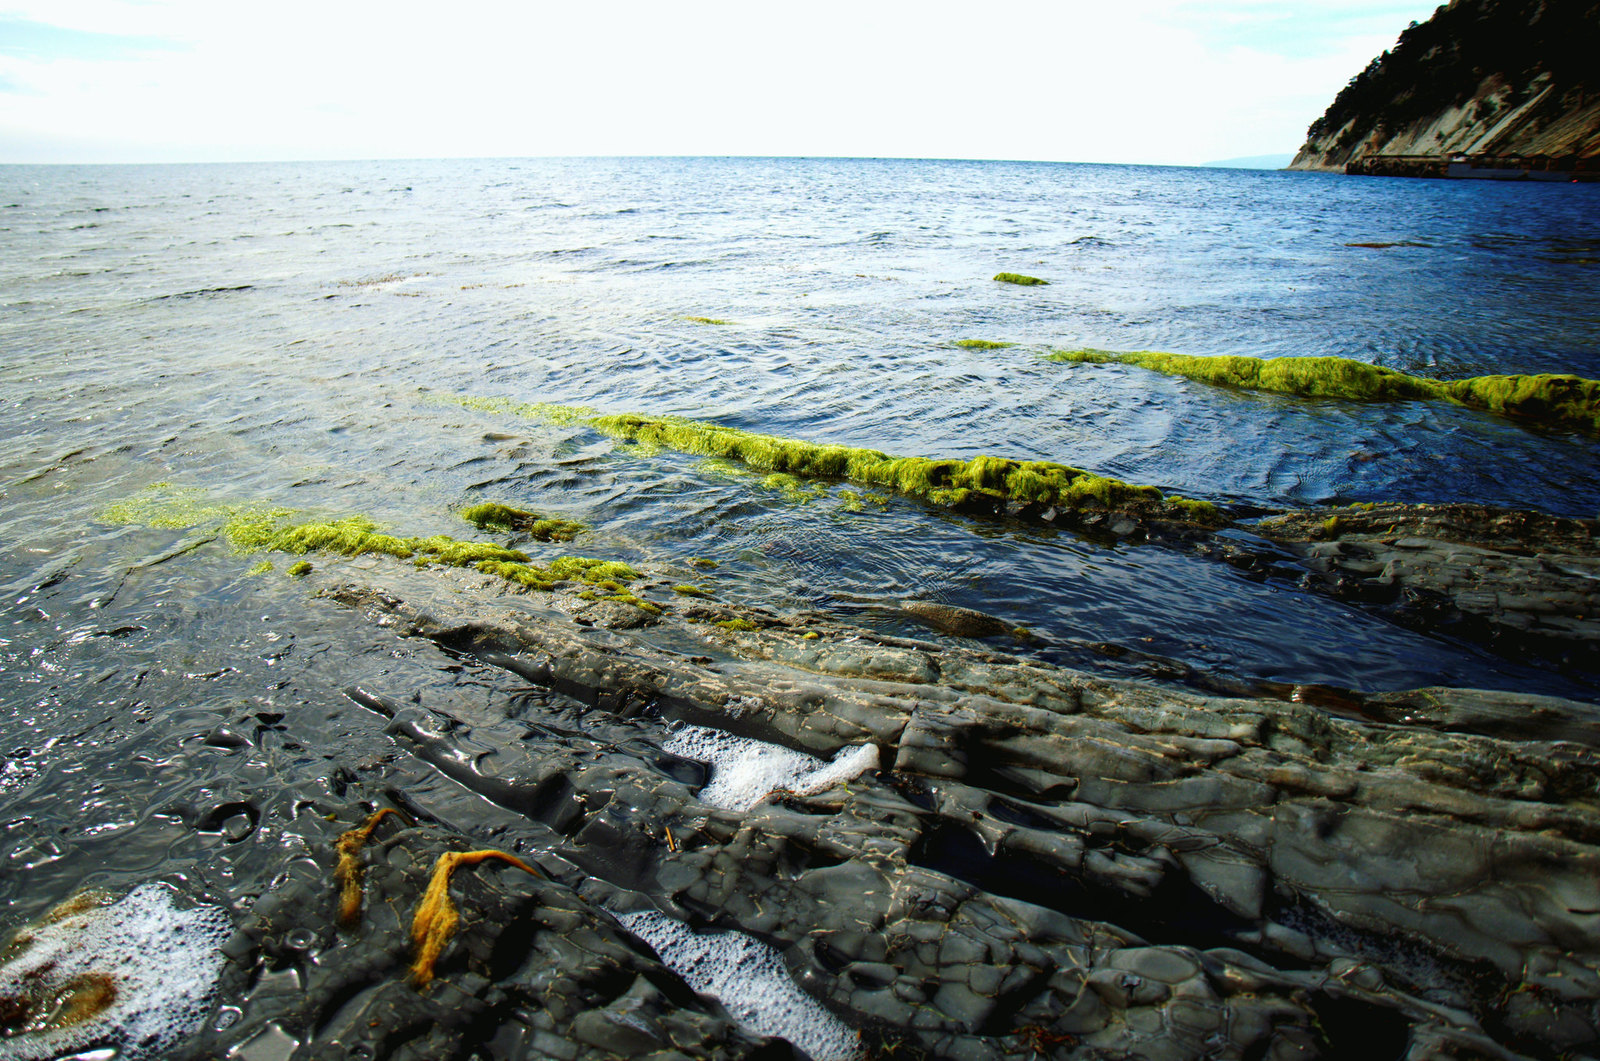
pixel 1160 81
pixel 42 40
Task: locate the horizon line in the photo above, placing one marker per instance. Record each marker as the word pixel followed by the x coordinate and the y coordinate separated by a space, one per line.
pixel 641 157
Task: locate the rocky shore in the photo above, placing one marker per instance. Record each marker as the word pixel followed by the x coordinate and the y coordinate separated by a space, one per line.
pixel 703 829
pixel 1042 864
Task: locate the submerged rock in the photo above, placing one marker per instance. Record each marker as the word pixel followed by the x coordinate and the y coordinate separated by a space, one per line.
pixel 951 619
pixel 1520 581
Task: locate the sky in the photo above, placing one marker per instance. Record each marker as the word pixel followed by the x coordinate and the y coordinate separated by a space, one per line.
pixel 1141 81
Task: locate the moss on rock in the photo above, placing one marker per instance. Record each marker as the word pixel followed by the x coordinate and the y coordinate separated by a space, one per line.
pixel 1019 278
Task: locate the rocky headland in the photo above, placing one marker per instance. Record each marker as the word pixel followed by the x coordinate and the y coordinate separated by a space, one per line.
pixel 1497 81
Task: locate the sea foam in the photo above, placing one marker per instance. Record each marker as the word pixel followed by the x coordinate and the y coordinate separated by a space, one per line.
pixel 745 771
pixel 750 980
pixel 141 973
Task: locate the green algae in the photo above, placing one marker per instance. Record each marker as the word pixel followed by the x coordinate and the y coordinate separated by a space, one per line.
pixel 1553 400
pixel 546 411
pixel 948 482
pixel 719 468
pixel 981 344
pixel 737 624
pixel 351 536
pixel 794 490
pixel 690 590
pixel 251 528
pixel 702 562
pixel 299 569
pixel 588 569
pixel 492 515
pixel 638 602
pixel 1019 278
pixel 453 552
pixel 981 481
pixel 706 320
pixel 162 506
pixel 260 569
pixel 1306 377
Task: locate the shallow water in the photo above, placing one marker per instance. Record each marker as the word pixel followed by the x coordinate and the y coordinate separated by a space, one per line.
pixel 301 333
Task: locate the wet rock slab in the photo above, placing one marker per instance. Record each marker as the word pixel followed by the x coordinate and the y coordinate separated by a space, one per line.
pixel 1518 581
pixel 1045 863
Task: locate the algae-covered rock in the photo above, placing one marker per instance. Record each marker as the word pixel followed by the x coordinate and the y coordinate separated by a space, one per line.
pixel 253 527
pixel 1020 280
pixel 492 515
pixel 1557 401
pixel 1551 400
pixel 990 483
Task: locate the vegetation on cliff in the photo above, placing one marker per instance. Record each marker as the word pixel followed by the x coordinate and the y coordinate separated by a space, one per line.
pixel 1451 83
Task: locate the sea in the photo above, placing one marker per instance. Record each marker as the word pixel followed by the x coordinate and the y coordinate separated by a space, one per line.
pixel 355 339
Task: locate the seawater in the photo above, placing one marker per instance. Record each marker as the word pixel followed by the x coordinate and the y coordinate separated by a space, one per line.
pixel 302 334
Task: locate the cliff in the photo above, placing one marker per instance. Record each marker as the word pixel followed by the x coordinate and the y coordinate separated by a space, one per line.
pixel 1486 78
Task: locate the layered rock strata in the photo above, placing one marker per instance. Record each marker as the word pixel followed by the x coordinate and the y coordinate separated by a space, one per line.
pixel 1045 864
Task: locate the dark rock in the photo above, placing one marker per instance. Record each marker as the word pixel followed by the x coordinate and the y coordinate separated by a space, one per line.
pixel 1045 862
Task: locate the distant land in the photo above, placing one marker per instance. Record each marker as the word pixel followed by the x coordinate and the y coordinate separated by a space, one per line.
pixel 1253 162
pixel 1501 88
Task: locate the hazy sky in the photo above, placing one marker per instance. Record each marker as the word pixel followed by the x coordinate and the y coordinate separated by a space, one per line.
pixel 1162 81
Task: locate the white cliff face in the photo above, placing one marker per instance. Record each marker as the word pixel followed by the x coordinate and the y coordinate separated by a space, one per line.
pixel 1547 122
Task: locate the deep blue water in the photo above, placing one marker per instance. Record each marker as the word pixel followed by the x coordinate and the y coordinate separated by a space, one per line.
pixel 297 332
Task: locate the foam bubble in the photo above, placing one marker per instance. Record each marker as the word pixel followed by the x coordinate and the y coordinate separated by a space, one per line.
pixel 744 771
pixel 749 979
pixel 139 974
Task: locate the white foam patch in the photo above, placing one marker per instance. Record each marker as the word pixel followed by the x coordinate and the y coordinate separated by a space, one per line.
pixel 749 979
pixel 745 771
pixel 163 962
